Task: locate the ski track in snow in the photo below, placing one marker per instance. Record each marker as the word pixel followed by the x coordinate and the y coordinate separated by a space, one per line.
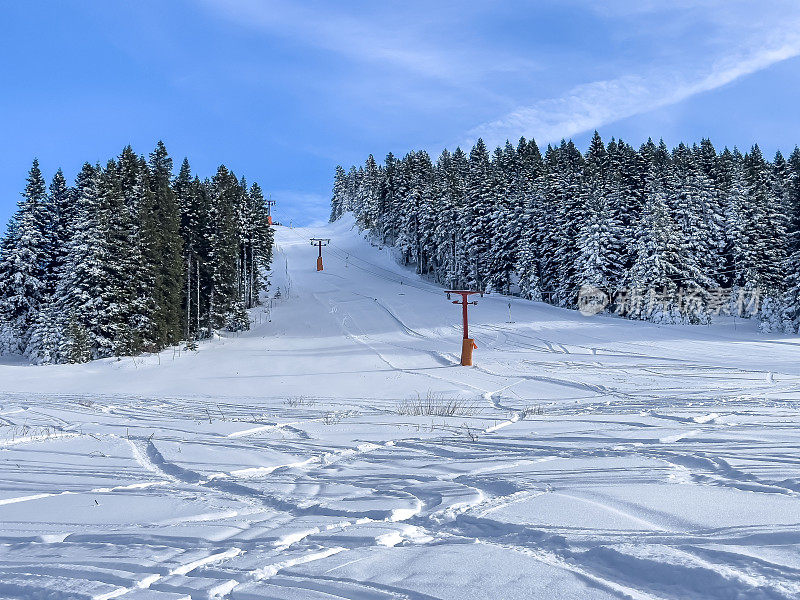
pixel 584 457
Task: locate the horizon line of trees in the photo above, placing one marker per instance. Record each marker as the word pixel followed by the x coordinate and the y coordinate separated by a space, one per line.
pixel 688 223
pixel 130 259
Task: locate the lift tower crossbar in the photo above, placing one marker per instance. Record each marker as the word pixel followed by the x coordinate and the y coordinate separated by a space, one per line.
pixel 319 243
pixel 467 344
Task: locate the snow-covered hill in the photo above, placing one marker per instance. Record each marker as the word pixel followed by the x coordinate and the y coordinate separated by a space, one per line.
pixel 586 457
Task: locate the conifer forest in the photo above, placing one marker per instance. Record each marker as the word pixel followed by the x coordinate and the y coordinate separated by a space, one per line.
pixel 670 236
pixel 129 259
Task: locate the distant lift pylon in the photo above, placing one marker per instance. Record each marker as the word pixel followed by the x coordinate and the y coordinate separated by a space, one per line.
pixel 468 344
pixel 320 242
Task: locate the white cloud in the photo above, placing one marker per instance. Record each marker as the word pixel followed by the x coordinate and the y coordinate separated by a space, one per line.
pixel 388 38
pixel 598 103
pixel 427 59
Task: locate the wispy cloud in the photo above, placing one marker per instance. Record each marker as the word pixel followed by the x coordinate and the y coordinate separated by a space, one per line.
pixel 383 37
pixel 592 105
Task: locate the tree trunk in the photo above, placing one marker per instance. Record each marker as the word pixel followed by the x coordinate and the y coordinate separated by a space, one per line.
pixel 197 297
pixel 188 295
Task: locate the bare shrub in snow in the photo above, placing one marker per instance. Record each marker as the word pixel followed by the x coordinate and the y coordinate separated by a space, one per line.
pixel 296 401
pixel 531 411
pixel 435 405
pixel 337 416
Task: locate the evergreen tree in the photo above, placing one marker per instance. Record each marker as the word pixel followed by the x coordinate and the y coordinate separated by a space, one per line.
pixel 564 176
pixel 338 201
pixel 599 257
pixel 659 267
pixel 479 201
pixel 508 199
pixel 9 341
pixel 790 318
pixel 225 308
pixel 62 206
pixel 27 254
pixel 261 244
pixel 78 292
pixel 165 249
pixel 758 228
pixel 529 220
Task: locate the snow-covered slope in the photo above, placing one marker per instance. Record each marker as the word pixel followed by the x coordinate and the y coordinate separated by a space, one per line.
pixel 587 457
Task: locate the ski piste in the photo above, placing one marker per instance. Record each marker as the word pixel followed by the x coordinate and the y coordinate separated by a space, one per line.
pixel 339 450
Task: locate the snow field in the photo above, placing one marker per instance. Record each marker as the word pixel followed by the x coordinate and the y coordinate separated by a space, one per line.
pixel 588 457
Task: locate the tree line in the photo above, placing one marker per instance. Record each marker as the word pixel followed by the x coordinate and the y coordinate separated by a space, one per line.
pixel 130 259
pixel 665 235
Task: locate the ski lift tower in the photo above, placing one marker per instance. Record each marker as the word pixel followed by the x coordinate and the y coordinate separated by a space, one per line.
pixel 270 203
pixel 320 242
pixel 467 344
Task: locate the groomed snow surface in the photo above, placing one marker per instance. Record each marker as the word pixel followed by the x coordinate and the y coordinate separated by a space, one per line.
pixel 588 457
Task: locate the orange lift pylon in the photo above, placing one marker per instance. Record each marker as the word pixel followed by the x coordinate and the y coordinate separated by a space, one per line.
pixel 270 203
pixel 320 242
pixel 468 344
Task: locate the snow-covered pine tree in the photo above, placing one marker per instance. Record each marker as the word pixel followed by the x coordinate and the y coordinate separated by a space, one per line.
pixel 658 269
pixel 564 179
pixel 445 211
pixel 778 219
pixel 339 192
pixel 415 180
pixel 261 244
pixel 46 332
pixel 460 246
pixel 117 249
pixel 628 179
pixel 508 199
pixel 134 238
pixel 477 215
pixel 547 226
pixel 759 229
pixel 368 204
pixel 711 190
pixel 186 195
pixel 689 197
pixel 729 167
pixel 740 214
pixel 405 215
pixel 193 197
pixel 9 342
pixel 225 308
pixel 790 318
pixel 27 254
pixel 449 186
pixel 78 295
pixel 529 218
pixel 427 209
pixel 165 250
pixel 599 257
pixel 391 200
pixel 62 202
pixel 352 192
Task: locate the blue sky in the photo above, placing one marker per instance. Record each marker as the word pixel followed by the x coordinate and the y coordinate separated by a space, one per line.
pixel 282 91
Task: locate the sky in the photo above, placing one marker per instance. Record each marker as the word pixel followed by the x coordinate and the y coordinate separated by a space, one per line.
pixel 282 91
